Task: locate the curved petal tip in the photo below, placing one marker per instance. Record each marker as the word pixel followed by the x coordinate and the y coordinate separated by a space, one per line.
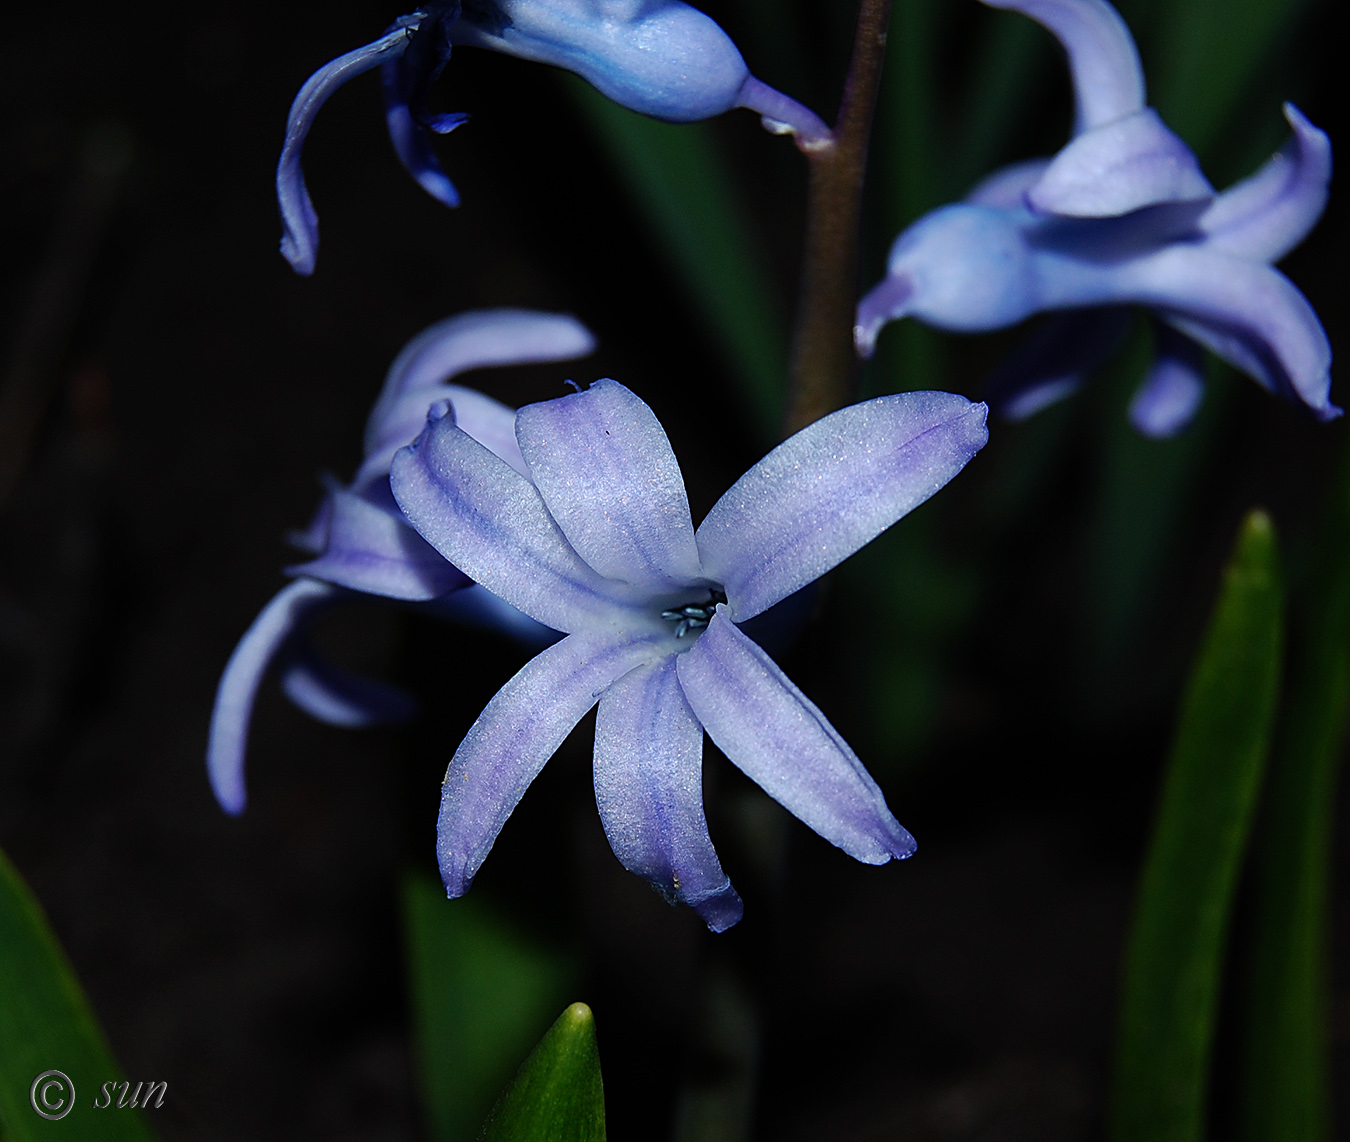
pixel 886 301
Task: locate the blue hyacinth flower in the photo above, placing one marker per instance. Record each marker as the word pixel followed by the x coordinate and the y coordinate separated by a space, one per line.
pixel 1121 216
pixel 362 546
pixel 659 57
pixel 595 540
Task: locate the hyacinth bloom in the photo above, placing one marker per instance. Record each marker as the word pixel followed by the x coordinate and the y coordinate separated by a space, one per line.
pixel 595 540
pixel 659 57
pixel 362 545
pixel 1121 216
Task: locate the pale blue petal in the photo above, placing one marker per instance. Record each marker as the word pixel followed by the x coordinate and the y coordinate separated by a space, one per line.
pixel 374 550
pixel 606 472
pixel 300 240
pixel 1267 215
pixel 1055 359
pixel 834 486
pixel 478 339
pixel 1169 396
pixel 779 739
pixel 517 732
pixel 339 698
pixel 649 789
pixel 1119 168
pixel 659 57
pixel 239 683
pixel 1246 312
pixel 491 523
pixel 1108 81
pixel 1006 189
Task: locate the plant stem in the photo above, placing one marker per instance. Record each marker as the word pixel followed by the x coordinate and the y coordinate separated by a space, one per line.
pixel 823 360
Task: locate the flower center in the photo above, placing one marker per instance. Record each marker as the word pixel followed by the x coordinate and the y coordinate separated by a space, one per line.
pixel 694 616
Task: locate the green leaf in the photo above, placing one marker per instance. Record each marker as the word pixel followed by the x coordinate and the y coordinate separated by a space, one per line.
pixel 1175 955
pixel 480 994
pixel 46 1025
pixel 683 186
pixel 557 1095
pixel 1286 1088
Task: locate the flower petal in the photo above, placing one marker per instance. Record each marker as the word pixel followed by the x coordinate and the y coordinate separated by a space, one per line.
pixel 339 698
pixel 649 789
pixel 604 467
pixel 300 239
pixel 491 523
pixel 663 59
pixel 405 81
pixel 473 340
pixel 779 739
pixel 783 115
pixel 1248 313
pixel 238 687
pixel 1267 215
pixel 1006 189
pixel 1057 357
pixel 1118 168
pixel 834 486
pixel 517 732
pixel 1169 396
pixel 1108 81
pixel 374 550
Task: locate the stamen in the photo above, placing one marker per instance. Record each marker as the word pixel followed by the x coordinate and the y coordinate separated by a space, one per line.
pixel 694 616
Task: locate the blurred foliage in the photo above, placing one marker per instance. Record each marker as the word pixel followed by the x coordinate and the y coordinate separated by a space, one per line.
pixel 480 994
pixel 1175 957
pixel 558 1094
pixel 46 1024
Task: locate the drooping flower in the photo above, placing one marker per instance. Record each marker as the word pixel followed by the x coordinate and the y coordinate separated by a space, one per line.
pixel 659 57
pixel 1121 216
pixel 362 545
pixel 596 541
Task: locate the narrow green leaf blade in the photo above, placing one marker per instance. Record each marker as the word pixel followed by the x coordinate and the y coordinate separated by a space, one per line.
pixel 480 994
pixel 46 1025
pixel 557 1095
pixel 683 186
pixel 1286 1088
pixel 1175 955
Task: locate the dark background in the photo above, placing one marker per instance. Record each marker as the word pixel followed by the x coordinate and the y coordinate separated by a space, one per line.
pixel 180 392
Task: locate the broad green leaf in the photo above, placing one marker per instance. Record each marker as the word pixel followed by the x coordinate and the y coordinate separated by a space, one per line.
pixel 682 184
pixel 1286 1090
pixel 557 1095
pixel 46 1025
pixel 480 994
pixel 1175 956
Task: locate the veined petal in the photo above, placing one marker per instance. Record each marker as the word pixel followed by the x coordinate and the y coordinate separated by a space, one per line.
pixel 491 523
pixel 1006 189
pixel 1169 396
pixel 1119 168
pixel 1108 81
pixel 1055 359
pixel 300 240
pixel 238 687
pixel 1267 215
pixel 517 732
pixel 660 57
pixel 779 739
pixel 488 421
pixel 606 472
pixel 339 698
pixel 373 550
pixel 1244 311
pixel 649 789
pixel 834 486
pixel 474 340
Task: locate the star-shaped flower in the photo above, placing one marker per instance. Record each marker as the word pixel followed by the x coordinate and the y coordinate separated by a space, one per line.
pixel 596 540
pixel 659 57
pixel 362 545
pixel 1122 215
